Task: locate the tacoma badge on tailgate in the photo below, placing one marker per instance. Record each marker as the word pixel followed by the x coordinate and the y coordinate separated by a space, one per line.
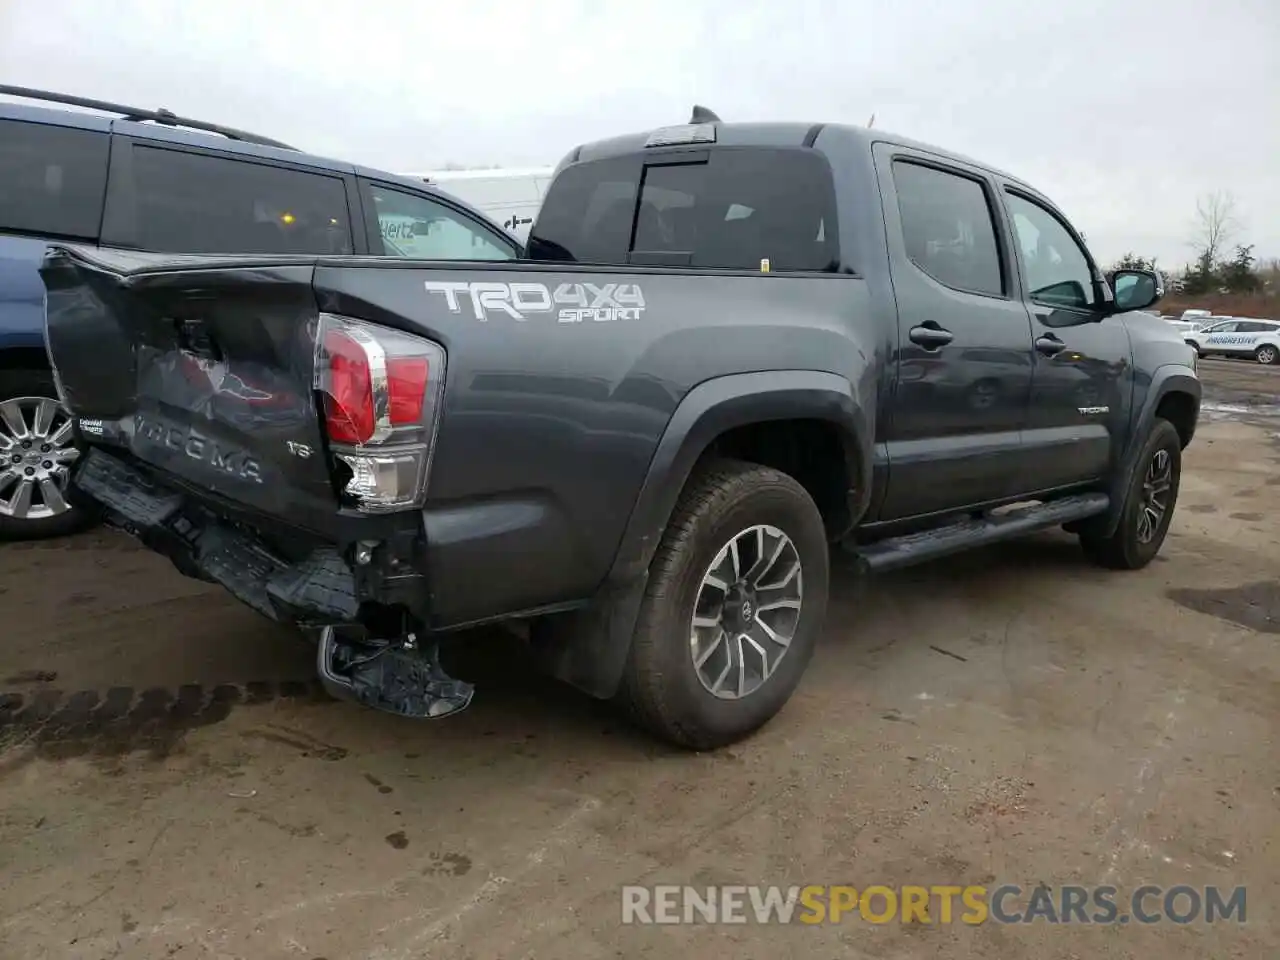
pixel 233 462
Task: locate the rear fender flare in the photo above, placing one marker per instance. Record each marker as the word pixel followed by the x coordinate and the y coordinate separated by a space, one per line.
pixel 588 648
pixel 722 404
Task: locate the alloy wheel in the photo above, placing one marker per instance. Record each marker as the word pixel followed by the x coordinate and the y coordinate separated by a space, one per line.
pixel 1155 493
pixel 36 452
pixel 746 612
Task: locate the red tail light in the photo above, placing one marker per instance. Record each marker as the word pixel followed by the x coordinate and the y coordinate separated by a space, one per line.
pixel 380 388
pixel 407 379
pixel 348 403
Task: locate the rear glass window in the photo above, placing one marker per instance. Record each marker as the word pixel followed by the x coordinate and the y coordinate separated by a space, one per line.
pixel 739 210
pixel 587 214
pixel 51 179
pixel 193 203
pixel 734 210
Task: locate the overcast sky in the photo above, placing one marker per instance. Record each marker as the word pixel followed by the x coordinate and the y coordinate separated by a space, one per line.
pixel 1122 111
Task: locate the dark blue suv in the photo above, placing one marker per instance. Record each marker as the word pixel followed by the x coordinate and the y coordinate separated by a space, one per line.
pixel 150 180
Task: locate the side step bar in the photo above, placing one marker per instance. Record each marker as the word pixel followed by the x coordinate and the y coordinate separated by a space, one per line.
pixel 896 552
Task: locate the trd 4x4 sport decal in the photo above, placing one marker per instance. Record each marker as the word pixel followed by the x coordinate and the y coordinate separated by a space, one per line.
pixel 573 302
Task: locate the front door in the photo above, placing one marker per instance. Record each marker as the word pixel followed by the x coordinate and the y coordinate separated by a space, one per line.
pixel 963 363
pixel 1081 376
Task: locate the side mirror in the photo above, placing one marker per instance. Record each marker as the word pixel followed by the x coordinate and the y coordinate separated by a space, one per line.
pixel 1136 289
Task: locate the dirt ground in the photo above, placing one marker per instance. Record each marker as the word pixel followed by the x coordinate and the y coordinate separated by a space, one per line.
pixel 171 786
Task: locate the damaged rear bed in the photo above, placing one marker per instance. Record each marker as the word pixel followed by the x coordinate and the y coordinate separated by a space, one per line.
pixel 263 445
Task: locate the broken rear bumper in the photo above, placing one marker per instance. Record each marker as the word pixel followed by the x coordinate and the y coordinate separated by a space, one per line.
pixel 320 588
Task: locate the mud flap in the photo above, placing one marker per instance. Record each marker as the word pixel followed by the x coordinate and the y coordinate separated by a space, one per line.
pixel 408 683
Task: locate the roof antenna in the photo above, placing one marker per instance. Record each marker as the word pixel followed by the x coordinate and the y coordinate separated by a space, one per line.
pixel 703 115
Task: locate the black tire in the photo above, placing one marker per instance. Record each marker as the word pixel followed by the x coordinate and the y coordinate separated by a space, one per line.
pixel 1267 355
pixel 81 515
pixel 1200 354
pixel 1124 549
pixel 660 686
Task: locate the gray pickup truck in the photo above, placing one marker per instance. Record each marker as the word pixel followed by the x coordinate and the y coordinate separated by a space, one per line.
pixel 730 348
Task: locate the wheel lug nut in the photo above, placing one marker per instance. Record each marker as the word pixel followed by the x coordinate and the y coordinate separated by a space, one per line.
pixel 30 471
pixel 44 448
pixel 48 464
pixel 26 444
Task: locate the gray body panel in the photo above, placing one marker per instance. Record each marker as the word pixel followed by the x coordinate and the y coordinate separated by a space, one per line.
pixel 563 442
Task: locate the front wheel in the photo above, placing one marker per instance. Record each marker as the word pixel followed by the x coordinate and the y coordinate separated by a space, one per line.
pixel 736 597
pixel 36 453
pixel 1267 354
pixel 1148 505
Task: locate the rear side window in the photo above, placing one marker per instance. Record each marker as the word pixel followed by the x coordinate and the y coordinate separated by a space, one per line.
pixel 193 203
pixel 729 209
pixel 52 179
pixel 947 228
pixel 418 228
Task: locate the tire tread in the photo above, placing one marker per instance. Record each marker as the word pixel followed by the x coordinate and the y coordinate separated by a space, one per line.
pixel 714 488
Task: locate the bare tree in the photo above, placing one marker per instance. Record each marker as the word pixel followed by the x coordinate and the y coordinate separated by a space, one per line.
pixel 1215 225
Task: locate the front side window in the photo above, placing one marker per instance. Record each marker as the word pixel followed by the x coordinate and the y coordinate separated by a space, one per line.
pixel 947 228
pixel 196 203
pixel 418 228
pixel 52 179
pixel 1055 268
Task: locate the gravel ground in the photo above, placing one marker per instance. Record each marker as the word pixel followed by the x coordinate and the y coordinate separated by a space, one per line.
pixel 171 784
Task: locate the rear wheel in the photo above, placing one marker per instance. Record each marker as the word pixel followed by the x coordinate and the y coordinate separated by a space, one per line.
pixel 36 453
pixel 1148 506
pixel 736 596
pixel 1267 354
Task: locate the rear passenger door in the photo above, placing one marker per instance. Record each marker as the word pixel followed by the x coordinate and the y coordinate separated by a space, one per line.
pixel 174 198
pixel 963 364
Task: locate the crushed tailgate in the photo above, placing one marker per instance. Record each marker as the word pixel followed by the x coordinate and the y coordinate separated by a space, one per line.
pixel 203 371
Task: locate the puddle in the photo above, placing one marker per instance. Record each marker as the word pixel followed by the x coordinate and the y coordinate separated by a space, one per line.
pixel 55 725
pixel 1216 410
pixel 1255 605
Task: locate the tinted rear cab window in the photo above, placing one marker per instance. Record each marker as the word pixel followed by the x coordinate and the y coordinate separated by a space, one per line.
pixel 731 208
pixel 52 179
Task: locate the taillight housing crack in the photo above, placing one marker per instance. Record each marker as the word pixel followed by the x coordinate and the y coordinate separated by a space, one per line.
pixel 380 391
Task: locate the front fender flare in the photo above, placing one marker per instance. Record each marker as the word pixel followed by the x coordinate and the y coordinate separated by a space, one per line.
pixel 1166 379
